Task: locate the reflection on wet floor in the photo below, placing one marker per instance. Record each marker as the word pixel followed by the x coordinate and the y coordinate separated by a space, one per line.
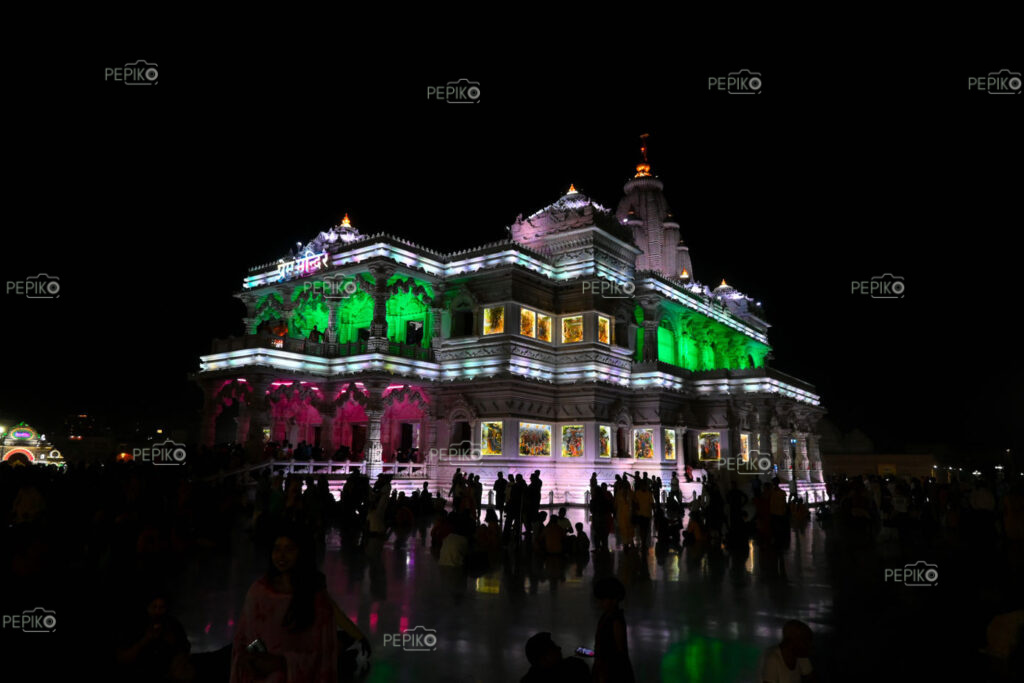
pixel 698 616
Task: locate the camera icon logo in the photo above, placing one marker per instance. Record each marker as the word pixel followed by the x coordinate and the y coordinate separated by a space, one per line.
pixel 39 620
pixel 887 286
pixel 42 286
pixel 141 72
pixel 920 573
pixel 465 92
pixel 756 463
pixel 744 82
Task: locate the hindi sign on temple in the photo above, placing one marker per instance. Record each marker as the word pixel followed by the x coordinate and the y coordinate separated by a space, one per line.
pixel 304 265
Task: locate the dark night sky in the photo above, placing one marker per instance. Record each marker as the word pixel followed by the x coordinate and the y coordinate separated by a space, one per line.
pixel 150 203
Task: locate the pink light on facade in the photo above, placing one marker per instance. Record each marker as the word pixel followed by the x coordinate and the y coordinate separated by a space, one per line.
pixel 403 624
pixel 373 622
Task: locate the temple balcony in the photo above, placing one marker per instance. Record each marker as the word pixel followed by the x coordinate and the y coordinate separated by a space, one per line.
pixel 311 348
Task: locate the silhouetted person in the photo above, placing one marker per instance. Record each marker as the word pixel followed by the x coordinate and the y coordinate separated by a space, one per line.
pixel 500 486
pixel 788 662
pixel 547 664
pixel 611 650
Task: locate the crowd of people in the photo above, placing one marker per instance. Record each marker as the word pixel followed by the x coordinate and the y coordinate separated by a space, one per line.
pixel 129 533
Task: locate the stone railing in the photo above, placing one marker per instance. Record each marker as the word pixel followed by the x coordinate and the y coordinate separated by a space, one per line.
pixel 311 348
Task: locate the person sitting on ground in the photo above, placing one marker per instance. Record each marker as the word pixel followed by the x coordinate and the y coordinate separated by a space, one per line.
pixel 788 661
pixel 563 521
pixel 553 537
pixel 582 540
pixel 455 547
pixel 547 664
pixel 157 647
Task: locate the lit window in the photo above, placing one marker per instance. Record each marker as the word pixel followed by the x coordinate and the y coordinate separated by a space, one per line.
pixel 534 439
pixel 604 333
pixel 604 441
pixel 494 320
pixel 572 441
pixel 543 327
pixel 572 329
pixel 527 323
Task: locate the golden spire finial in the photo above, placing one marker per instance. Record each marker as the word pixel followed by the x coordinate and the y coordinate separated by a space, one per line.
pixel 345 222
pixel 723 283
pixel 643 169
pixel 572 189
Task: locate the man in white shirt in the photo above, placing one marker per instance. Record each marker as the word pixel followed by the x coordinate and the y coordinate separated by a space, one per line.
pixel 788 662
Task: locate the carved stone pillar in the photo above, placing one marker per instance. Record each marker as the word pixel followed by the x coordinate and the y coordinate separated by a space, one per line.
pixel 814 456
pixel 437 315
pixel 331 334
pixel 801 467
pixel 378 342
pixel 374 416
pixel 287 314
pixel 249 320
pixel 650 325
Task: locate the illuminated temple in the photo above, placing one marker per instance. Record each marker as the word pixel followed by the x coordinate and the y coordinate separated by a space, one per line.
pixel 583 342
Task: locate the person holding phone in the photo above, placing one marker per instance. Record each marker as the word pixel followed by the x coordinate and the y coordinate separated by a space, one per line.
pixel 547 664
pixel 287 630
pixel 611 651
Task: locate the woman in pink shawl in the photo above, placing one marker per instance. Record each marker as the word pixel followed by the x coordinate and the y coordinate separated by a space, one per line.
pixel 288 620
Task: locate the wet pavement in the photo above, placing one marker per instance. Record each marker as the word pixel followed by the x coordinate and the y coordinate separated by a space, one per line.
pixel 691 617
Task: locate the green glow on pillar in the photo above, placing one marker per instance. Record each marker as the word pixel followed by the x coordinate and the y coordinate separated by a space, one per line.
pixel 264 311
pixel 310 310
pixel 354 313
pixel 666 346
pixel 703 343
pixel 403 308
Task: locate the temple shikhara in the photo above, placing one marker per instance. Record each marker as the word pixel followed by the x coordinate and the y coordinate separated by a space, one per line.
pixel 583 342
